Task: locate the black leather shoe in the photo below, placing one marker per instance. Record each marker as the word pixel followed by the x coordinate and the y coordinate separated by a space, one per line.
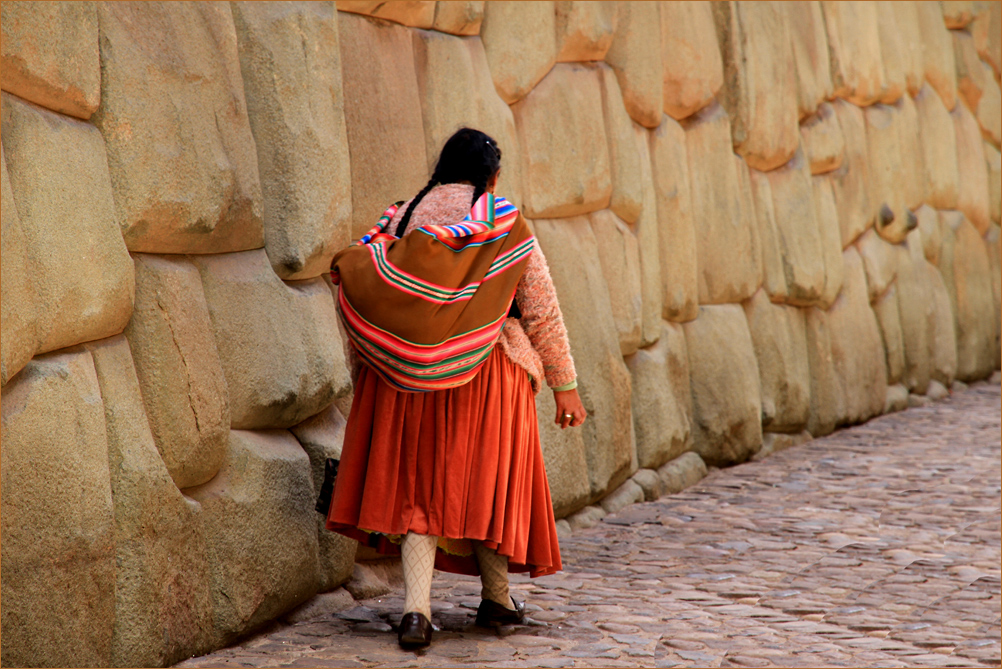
pixel 414 632
pixel 492 614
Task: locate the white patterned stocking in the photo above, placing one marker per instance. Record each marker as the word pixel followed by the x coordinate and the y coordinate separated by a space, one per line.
pixel 418 558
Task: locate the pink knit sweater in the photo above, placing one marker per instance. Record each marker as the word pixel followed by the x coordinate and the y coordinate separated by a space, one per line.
pixel 538 341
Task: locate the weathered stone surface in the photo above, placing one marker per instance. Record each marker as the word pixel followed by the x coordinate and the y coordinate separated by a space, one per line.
pixel 677 234
pixel 459 18
pixel 649 482
pixel 773 271
pixel 971 76
pixel 897 399
pixel 774 442
pixel 260 531
pixel 324 605
pixel 826 212
pixel 994 161
pixel 857 66
pixel 940 66
pixel 857 349
pixel 780 344
pixel 727 270
pixel 900 48
pixel 913 179
pixel 603 380
pixel 884 145
pixel 564 456
pixel 724 378
pixel 662 400
pixel 822 139
pixel 291 66
pixel 378 57
pixel 957 14
pixel 749 218
pixel 760 81
pixel 693 71
pixel 810 55
pixel 629 492
pixel 989 111
pixel 972 170
pixel 851 181
pixel 889 320
pixel 278 343
pixel 18 311
pixel 799 235
pixel 993 243
pixel 520 39
pixel 653 290
pixel 584 30
pixel 939 150
pixel 619 257
pixel 625 166
pixel 183 387
pixel 586 517
pixel 929 229
pixel 967 276
pixel 987 32
pixel 58 175
pixel 375 578
pixel 943 346
pixel 685 470
pixel 50 55
pixel 827 398
pixel 58 550
pixel 916 311
pixel 180 149
pixel 564 110
pixel 635 55
pixel 414 13
pixel 880 262
pixel 163 604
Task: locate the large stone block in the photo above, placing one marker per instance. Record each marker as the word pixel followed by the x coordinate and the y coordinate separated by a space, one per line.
pixel 520 39
pixel 880 262
pixel 937 49
pixel 584 30
pixel 382 114
pixel 50 55
pixel 916 311
pixel 851 181
pixel 810 55
pixel 459 18
pixel 180 149
pixel 943 346
pixel 563 111
pixel 989 111
pixel 857 66
pixel 939 149
pixel 822 140
pixel 278 343
pixel 291 66
pixel 619 257
pixel 693 71
pixel 773 271
pixel 749 218
pixel 674 216
pixel 760 81
pixel 635 55
pixel 929 229
pixel 724 377
pixel 827 398
pixel 780 343
pixel 857 348
pixel 80 268
pixel 901 49
pixel 261 532
pixel 987 32
pixel 993 243
pixel 728 271
pixel 889 319
pixel 414 13
pixel 957 14
pixel 627 198
pixel 884 144
pixel 163 603
pixel 972 186
pixel 662 400
pixel 971 76
pixel 603 380
pixel 565 460
pixel 648 230
pixel 994 160
pixel 18 310
pixel 913 178
pixel 183 387
pixel 826 213
pixel 58 550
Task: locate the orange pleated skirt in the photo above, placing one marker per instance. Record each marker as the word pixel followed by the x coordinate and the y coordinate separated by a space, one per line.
pixel 460 464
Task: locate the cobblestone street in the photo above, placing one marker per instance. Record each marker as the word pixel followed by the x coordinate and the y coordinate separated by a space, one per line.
pixel 877 546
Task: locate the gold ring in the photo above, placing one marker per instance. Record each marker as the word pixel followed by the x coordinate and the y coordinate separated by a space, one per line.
pixel 567 415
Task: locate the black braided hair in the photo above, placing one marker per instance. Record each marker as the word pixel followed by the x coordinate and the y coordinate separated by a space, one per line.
pixel 469 155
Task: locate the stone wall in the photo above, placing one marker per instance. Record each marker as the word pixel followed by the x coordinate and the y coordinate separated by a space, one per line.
pixel 764 221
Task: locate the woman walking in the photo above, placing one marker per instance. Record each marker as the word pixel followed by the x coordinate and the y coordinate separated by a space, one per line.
pixel 454 326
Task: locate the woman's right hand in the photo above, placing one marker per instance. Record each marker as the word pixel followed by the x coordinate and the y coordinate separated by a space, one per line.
pixel 570 411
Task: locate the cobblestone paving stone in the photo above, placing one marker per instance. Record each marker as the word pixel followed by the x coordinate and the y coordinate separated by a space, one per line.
pixel 877 546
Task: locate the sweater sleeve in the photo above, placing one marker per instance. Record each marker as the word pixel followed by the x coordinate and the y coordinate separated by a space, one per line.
pixel 543 323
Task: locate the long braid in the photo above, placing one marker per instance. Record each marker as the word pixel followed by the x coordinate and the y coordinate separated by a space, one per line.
pixel 406 218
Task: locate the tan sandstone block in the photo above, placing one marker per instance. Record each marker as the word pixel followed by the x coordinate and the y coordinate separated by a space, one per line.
pixel 635 55
pixel 898 30
pixel 913 177
pixel 693 71
pixel 929 229
pixel 773 272
pixel 972 186
pixel 59 181
pixel 880 262
pixel 939 149
pixel 183 387
pixel 724 377
pixel 163 604
pixel 619 256
pixel 278 343
pixel 749 219
pixel 58 550
pixel 50 55
pixel 957 14
pixel 564 111
pixel 521 44
pixel 260 530
pixel 627 198
pixel 993 244
pixel 851 181
pixel 413 13
pixel 662 400
pixel 883 142
pixel 916 311
pixel 994 160
pixel 827 398
pixel 18 311
pixel 987 31
pixel 728 271
pixel 180 149
pixel 648 231
pixel 989 111
pixel 857 66
pixel 826 213
pixel 674 215
pixel 810 55
pixel 940 65
pixel 780 343
pixel 603 379
pixel 943 346
pixel 376 58
pixel 564 458
pixel 462 17
pixel 584 30
pixel 760 81
pixel 971 77
pixel 822 139
pixel 889 321
pixel 291 66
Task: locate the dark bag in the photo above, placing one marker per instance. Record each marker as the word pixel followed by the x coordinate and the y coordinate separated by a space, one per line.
pixel 327 487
